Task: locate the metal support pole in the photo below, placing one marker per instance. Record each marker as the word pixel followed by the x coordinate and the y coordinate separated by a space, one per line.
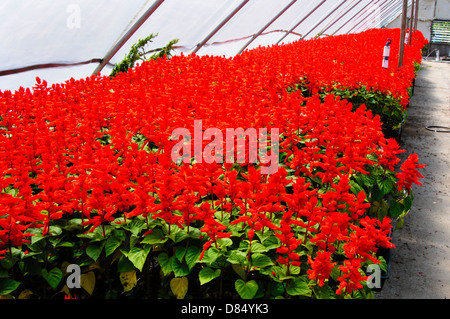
pixel 411 23
pixel 301 21
pixel 266 26
pixel 127 35
pixel 221 24
pixel 416 16
pixel 402 33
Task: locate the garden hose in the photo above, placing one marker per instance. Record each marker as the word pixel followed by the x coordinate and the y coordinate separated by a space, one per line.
pixel 439 129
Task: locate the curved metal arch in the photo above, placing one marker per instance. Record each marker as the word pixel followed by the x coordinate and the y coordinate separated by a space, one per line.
pixel 341 16
pixel 365 15
pixel 350 19
pixel 301 21
pixel 127 35
pixel 323 19
pixel 266 26
pixel 387 4
pixel 220 25
pixel 389 17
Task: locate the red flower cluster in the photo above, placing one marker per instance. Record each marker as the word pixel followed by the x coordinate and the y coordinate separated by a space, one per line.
pixel 100 148
pixel 409 173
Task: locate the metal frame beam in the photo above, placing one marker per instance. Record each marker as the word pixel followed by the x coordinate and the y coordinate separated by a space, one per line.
pixel 383 6
pixel 363 16
pixel 116 47
pixel 220 25
pixel 301 21
pixel 323 19
pixel 341 16
pixel 393 7
pixel 348 20
pixel 266 26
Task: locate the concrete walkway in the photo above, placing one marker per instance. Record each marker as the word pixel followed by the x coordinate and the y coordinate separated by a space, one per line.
pixel 420 266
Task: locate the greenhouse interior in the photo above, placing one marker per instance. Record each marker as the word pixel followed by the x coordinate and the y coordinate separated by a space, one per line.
pixel 201 151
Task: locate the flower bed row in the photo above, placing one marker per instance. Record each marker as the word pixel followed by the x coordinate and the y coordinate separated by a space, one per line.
pixel 88 180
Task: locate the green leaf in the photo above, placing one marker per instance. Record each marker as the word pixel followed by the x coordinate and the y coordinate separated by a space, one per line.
pixel 355 188
pixel 365 180
pixel 239 270
pixel 192 256
pixel 94 251
pixel 135 226
pixel 224 242
pixel 407 202
pixel 385 184
pixel 272 242
pixel 180 269
pixel 8 285
pixel 112 244
pixel 124 264
pixel 246 290
pixel 383 210
pixel 164 262
pixel 138 255
pixel 55 230
pixel 180 251
pixel 276 288
pixel 375 193
pixel 65 244
pixel 261 260
pixel 238 257
pixel 383 265
pixel 36 238
pixel 258 248
pixel 395 208
pixel 176 233
pixel 211 255
pixel 400 223
pixel 207 274
pixel 298 287
pixel 179 287
pixel 155 237
pixel 53 277
pixel 324 292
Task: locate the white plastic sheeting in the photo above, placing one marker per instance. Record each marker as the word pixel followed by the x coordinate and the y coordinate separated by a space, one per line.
pixel 58 40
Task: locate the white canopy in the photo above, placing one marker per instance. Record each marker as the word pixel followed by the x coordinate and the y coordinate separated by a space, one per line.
pixel 58 40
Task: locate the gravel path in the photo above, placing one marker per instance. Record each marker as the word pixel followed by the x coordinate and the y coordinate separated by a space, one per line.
pixel 420 267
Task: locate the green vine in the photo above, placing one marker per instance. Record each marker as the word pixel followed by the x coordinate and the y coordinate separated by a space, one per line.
pixel 137 53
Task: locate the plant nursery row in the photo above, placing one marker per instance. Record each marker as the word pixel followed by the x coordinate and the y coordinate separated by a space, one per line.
pixel 93 204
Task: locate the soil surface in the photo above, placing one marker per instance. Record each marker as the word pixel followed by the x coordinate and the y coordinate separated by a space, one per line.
pixel 420 264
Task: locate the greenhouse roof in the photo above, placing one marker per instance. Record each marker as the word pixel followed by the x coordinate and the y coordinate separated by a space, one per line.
pixel 58 40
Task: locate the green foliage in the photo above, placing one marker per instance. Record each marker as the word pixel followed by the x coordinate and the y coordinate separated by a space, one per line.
pixel 392 113
pixel 137 53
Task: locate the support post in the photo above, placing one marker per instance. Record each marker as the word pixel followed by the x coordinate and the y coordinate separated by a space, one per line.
pixel 416 16
pixel 411 23
pixel 402 33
